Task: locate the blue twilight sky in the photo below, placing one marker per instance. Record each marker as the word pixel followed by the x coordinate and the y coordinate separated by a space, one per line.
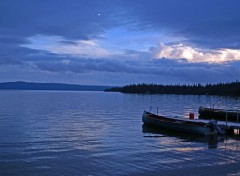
pixel 118 42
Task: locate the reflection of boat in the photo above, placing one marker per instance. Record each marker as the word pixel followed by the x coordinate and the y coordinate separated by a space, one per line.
pixel 179 124
pixel 219 114
pixel 211 140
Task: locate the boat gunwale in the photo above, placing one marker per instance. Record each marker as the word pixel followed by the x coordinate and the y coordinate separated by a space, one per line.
pixel 174 120
pixel 219 110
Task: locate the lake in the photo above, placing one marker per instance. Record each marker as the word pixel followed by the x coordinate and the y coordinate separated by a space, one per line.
pixel 101 133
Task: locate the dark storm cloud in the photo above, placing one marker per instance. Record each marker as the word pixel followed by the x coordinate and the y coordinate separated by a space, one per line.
pixel 71 19
pixel 69 42
pixel 182 70
pixel 85 65
pixel 206 23
pixel 13 54
pixel 186 71
pixel 10 61
pixel 203 23
pixel 212 23
pixel 12 40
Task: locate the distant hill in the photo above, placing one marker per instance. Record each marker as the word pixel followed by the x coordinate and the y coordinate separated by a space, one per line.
pixel 49 86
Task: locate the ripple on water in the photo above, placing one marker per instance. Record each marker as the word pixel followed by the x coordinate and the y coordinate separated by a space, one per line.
pixel 98 133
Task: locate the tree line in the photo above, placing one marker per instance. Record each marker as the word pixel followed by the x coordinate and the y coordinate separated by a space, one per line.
pixel 226 89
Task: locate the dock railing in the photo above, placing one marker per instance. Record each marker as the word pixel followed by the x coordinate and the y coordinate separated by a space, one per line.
pixel 226 118
pixel 237 115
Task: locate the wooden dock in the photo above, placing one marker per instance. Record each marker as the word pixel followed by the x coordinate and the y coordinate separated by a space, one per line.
pixel 228 127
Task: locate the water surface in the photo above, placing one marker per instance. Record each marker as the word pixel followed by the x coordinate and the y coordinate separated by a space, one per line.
pixel 98 133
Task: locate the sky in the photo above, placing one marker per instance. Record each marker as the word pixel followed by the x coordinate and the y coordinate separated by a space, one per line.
pixel 120 42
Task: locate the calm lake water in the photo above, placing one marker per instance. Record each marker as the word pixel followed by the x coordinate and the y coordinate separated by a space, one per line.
pixel 98 133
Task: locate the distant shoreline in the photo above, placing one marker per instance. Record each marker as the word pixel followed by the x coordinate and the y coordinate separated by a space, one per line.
pixel 221 89
pixel 49 86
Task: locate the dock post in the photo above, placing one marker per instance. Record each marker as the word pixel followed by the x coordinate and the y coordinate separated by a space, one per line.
pixel 237 116
pixel 226 118
pixel 230 131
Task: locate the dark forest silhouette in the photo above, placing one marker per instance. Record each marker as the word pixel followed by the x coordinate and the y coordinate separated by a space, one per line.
pixel 226 89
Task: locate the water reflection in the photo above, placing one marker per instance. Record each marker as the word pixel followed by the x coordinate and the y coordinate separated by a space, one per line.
pixel 98 133
pixel 211 140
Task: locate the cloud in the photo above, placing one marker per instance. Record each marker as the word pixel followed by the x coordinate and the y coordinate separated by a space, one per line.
pixel 85 65
pixel 71 37
pixel 176 51
pixel 200 22
pixel 59 45
pixel 70 19
pixel 181 71
pixel 120 70
pixel 14 55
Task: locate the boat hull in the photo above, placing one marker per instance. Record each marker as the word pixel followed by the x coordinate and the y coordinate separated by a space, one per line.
pixel 176 125
pixel 219 114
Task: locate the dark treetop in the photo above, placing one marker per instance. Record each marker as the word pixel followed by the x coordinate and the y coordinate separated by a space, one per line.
pixel 228 89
